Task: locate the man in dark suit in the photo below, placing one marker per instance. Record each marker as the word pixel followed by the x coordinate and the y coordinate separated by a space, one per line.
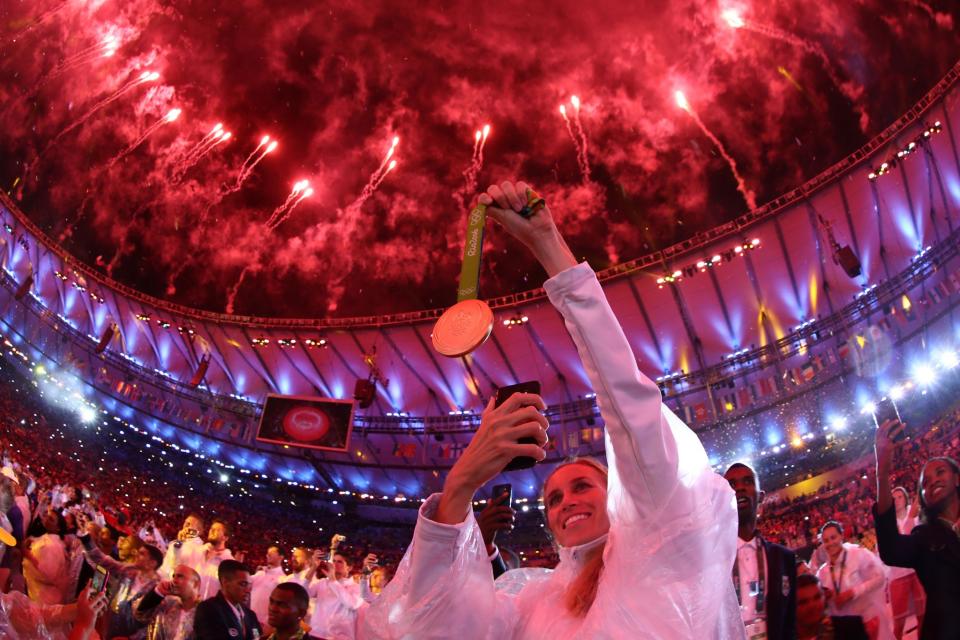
pixel 226 616
pixel 765 574
pixel 813 622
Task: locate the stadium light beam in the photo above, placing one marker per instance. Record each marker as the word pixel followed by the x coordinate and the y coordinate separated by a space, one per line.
pixel 924 375
pixel 87 414
pixel 948 359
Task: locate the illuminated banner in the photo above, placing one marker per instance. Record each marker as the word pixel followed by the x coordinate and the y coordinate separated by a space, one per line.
pixel 302 421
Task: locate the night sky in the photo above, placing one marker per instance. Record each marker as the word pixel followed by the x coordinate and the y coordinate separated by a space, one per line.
pixel 794 89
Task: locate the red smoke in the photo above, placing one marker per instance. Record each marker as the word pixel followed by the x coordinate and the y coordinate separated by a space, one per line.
pixel 333 85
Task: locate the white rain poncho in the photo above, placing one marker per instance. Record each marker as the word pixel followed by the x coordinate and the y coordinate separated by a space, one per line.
pixel 673 526
pixel 858 569
pixel 23 619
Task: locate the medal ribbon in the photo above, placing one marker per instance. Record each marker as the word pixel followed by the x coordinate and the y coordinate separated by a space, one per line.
pixel 469 287
pixel 761 602
pixel 472 251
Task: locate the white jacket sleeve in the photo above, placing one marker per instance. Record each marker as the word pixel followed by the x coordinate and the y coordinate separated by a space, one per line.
pixel 657 460
pixel 443 587
pixel 871 572
pixel 673 521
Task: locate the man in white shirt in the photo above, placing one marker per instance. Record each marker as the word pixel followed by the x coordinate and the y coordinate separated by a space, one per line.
pixel 334 597
pixel 187 549
pixel 264 581
pixel 215 552
pixel 303 568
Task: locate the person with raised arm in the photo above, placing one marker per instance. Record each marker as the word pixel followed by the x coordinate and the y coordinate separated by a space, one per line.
pixel 646 546
pixel 932 548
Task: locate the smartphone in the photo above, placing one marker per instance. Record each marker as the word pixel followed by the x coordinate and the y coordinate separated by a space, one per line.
pixel 502 489
pixel 532 386
pixel 887 410
pixel 98 584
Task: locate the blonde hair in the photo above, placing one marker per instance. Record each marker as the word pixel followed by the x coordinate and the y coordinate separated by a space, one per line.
pixel 582 591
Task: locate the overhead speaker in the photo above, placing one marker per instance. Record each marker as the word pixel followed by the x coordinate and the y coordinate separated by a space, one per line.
pixel 364 392
pixel 848 260
pixel 24 288
pixel 106 337
pixel 200 372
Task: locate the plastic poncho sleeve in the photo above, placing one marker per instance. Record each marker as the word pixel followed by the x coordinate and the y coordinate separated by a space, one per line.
pixel 443 587
pixel 673 520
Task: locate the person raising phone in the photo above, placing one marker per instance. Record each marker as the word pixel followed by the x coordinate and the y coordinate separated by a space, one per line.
pixel 646 546
pixel 933 546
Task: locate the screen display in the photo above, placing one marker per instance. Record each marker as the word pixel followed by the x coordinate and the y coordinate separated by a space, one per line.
pixel 300 421
pixel 99 581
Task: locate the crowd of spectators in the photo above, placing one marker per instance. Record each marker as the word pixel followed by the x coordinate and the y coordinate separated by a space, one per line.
pixel 127 494
pixel 795 522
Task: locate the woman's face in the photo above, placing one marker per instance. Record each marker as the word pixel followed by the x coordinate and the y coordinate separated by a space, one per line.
pixel 575 500
pixel 938 483
pixel 832 541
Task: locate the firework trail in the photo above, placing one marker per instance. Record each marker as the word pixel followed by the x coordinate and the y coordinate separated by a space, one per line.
pixel 583 159
pixel 106 48
pixel 483 142
pixel 943 20
pixel 849 89
pixel 378 176
pixel 171 116
pixel 472 172
pixel 748 195
pixel 266 147
pixel 246 169
pixel 300 192
pixel 178 269
pixel 197 152
pixel 205 151
pixel 126 247
pixel 40 20
pixel 87 199
pixel 146 76
pixel 235 289
pixel 575 136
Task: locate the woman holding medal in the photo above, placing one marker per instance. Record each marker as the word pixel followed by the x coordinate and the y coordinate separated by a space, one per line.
pixel 646 547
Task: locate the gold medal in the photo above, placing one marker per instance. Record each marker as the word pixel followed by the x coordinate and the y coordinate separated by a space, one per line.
pixel 467 324
pixel 462 328
pixel 7 539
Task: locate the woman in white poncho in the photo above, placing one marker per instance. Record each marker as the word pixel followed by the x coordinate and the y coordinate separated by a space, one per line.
pixel 644 553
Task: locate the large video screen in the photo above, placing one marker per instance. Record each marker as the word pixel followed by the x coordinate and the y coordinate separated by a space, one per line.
pixel 301 421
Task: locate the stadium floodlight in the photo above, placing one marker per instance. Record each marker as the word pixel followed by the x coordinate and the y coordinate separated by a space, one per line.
pixel 838 423
pixel 87 414
pixel 896 392
pixel 948 359
pixel 868 408
pixel 924 375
